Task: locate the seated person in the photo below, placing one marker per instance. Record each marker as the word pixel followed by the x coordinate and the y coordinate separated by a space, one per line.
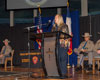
pixel 85 49
pixel 5 51
pixel 97 49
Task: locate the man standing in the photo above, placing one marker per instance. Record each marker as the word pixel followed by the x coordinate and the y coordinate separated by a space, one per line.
pixel 5 51
pixel 85 49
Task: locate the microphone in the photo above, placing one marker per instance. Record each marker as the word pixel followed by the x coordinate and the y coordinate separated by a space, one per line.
pixel 46 24
pixel 49 23
pixel 30 27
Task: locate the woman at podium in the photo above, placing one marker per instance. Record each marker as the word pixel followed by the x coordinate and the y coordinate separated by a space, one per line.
pixel 59 25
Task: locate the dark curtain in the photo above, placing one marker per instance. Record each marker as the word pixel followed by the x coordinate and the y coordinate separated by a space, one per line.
pixel 95 27
pixel 90 24
pixel 76 35
pixel 84 26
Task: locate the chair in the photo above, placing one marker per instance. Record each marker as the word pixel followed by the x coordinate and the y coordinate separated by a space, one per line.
pixel 86 59
pixel 9 59
pixel 96 58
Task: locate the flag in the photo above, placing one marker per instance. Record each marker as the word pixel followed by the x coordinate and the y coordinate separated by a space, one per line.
pixel 68 22
pixel 39 28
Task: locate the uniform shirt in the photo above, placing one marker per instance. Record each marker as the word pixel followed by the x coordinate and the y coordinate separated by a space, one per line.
pixel 97 46
pixel 89 46
pixel 7 51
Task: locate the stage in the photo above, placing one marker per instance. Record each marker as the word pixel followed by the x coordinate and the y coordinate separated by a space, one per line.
pixel 38 74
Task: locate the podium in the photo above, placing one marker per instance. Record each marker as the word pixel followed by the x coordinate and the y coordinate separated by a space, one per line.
pixel 49 51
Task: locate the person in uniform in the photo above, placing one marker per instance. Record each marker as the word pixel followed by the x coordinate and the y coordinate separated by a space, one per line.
pixel 85 49
pixel 59 25
pixel 5 51
pixel 97 50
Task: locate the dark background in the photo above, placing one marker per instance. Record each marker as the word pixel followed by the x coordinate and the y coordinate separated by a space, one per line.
pixel 18 38
pixel 18 35
pixel 90 24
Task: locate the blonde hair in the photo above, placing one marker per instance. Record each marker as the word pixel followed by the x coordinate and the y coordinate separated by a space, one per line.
pixel 60 20
pixel 59 23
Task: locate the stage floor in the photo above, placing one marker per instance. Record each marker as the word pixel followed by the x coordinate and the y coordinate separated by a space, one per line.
pixel 38 74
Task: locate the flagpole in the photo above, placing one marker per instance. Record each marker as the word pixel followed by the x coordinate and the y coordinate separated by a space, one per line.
pixel 68 65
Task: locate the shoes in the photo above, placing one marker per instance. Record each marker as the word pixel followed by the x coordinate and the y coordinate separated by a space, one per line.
pixel 1 65
pixel 99 69
pixel 89 68
pixel 78 68
pixel 64 76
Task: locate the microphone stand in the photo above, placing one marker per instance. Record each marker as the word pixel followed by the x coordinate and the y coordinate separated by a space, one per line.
pixel 28 44
pixel 29 56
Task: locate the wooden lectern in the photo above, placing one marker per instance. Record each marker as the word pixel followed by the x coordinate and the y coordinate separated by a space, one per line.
pixel 49 51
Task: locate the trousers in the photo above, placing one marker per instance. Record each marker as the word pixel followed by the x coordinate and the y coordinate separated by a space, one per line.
pixel 90 58
pixel 62 52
